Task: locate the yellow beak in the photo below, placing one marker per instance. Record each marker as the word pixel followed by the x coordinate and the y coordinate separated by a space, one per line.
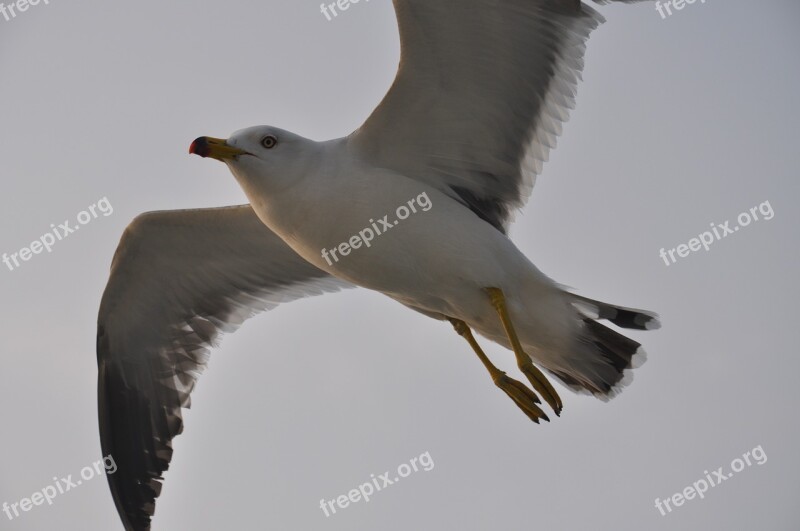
pixel 216 148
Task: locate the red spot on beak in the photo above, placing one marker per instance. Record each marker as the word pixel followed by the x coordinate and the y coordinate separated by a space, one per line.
pixel 199 147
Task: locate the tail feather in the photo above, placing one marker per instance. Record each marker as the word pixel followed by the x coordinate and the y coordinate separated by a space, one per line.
pixel 601 358
pixel 619 315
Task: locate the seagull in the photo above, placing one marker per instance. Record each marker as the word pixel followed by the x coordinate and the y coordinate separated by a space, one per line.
pixel 481 93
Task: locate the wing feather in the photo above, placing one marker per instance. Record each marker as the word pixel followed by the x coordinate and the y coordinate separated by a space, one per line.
pixel 178 280
pixel 480 96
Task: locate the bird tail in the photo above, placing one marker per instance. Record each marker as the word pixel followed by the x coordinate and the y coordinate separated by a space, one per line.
pixel 601 359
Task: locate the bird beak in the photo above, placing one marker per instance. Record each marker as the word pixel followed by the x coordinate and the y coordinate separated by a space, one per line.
pixel 216 148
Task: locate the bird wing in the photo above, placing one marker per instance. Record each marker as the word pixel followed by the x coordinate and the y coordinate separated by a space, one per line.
pixel 481 92
pixel 178 280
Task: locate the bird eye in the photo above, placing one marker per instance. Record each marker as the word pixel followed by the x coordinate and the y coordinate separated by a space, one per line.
pixel 269 141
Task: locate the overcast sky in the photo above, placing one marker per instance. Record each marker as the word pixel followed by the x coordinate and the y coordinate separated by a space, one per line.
pixel 680 122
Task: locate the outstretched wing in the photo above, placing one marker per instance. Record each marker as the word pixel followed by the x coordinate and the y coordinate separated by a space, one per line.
pixel 480 95
pixel 178 280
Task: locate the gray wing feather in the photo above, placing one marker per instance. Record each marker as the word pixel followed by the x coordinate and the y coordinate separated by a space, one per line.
pixel 178 280
pixel 482 90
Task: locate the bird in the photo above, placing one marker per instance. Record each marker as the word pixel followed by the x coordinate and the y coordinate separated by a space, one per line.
pixel 450 153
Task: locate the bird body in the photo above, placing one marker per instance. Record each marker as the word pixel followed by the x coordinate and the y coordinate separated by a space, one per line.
pixel 435 261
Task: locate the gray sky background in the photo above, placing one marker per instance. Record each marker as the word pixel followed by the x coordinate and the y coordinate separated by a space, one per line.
pixel 679 123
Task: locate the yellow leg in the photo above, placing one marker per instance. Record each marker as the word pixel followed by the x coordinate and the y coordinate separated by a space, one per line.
pixel 525 399
pixel 535 376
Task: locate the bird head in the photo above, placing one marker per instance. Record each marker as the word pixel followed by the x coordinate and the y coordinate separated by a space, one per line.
pixel 272 157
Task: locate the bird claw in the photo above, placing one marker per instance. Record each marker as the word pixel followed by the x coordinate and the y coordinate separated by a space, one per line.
pixel 535 376
pixel 543 387
pixel 525 399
